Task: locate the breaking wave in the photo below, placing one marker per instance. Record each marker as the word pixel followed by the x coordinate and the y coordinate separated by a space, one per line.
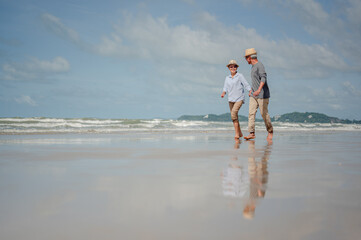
pixel 40 125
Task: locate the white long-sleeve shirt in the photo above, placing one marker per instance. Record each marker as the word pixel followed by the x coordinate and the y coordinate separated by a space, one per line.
pixel 235 87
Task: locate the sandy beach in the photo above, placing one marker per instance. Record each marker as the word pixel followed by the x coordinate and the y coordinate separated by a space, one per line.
pixel 194 185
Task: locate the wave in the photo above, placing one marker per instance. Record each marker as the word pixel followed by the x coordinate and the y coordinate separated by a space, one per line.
pixel 42 125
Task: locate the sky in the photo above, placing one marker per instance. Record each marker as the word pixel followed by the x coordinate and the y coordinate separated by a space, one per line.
pixel 163 59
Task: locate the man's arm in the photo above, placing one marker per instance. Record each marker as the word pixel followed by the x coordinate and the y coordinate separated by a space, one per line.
pixel 263 77
pixel 256 93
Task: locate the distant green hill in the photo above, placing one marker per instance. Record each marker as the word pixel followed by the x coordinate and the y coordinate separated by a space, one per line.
pixel 311 117
pixel 295 117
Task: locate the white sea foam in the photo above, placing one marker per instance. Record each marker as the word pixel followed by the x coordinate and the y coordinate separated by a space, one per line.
pixel 93 125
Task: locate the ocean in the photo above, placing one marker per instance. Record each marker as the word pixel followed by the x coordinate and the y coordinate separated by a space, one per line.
pixel 42 125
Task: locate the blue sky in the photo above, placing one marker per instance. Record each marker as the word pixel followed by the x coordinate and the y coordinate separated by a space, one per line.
pixel 163 59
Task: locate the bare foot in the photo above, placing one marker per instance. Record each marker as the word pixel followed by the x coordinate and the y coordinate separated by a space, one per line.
pixel 236 137
pixel 270 136
pixel 250 136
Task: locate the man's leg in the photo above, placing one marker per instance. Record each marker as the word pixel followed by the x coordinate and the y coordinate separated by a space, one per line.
pixel 263 107
pixel 253 105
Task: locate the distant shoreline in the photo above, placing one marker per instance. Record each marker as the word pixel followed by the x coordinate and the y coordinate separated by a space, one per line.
pixel 294 117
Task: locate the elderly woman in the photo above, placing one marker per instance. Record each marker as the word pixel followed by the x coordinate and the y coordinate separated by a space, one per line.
pixel 235 85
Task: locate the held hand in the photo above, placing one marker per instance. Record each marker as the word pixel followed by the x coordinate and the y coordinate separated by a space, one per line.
pixel 256 93
pixel 250 93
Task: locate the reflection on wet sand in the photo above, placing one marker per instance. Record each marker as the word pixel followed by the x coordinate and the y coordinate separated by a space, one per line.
pixel 249 185
pixel 258 177
pixel 234 179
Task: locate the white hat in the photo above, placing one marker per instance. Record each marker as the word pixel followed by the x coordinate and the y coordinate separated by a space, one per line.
pixel 232 62
pixel 250 51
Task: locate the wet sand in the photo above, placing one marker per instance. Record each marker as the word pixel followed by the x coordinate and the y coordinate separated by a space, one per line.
pixel 305 185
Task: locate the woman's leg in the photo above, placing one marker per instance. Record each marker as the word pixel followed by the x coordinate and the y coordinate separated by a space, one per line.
pixel 234 115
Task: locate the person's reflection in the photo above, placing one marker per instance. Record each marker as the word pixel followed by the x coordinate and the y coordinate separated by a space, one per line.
pixel 258 177
pixel 234 179
pixel 250 185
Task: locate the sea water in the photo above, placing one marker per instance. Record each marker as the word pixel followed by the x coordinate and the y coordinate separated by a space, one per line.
pixel 41 125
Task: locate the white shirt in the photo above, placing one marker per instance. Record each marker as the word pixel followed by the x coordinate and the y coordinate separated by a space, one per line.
pixel 235 86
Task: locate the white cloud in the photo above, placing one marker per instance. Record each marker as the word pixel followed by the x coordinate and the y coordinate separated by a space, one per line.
pixel 326 93
pixel 57 65
pixel 34 69
pixel 335 23
pixel 152 38
pixel 55 25
pixel 352 90
pixel 326 98
pixel 339 28
pixel 335 106
pixel 330 92
pixel 26 100
pixel 146 37
pixel 353 12
pixel 310 10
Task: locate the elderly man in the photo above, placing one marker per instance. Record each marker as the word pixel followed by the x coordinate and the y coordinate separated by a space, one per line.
pixel 260 97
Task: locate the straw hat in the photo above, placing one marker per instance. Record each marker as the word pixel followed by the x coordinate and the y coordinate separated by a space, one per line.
pixel 232 62
pixel 250 51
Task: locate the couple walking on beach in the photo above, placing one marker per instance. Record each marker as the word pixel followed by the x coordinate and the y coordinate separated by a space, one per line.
pixel 259 94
